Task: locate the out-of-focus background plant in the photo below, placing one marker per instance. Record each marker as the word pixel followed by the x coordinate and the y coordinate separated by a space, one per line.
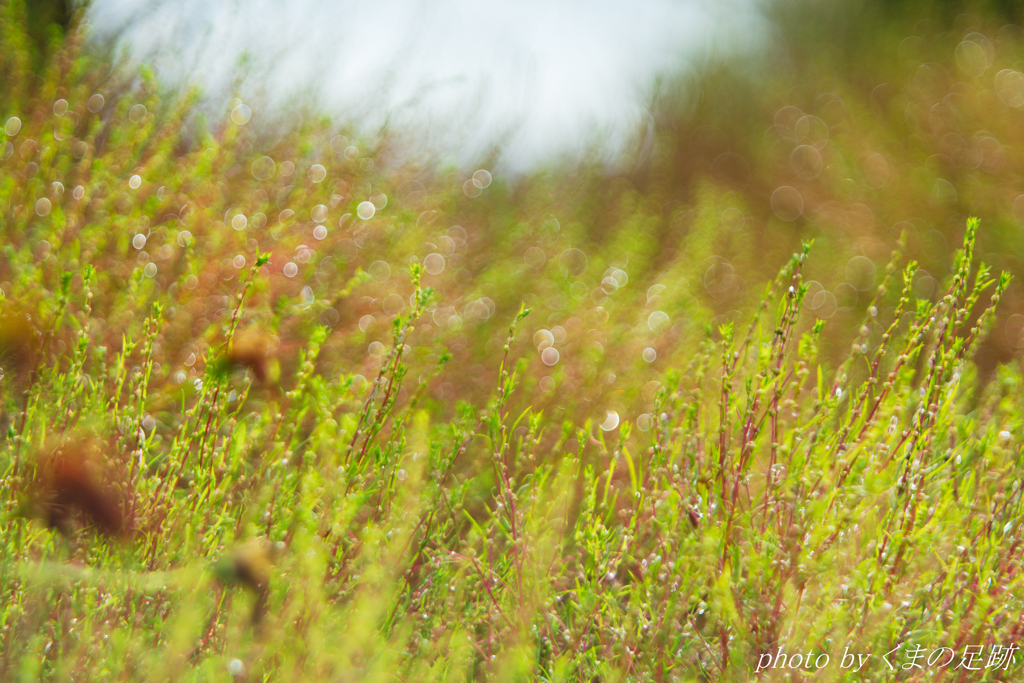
pixel 288 401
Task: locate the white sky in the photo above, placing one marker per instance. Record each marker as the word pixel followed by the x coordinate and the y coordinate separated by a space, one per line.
pixel 548 76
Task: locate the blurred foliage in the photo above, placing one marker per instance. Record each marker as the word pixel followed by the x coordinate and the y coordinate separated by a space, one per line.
pixel 913 113
pixel 366 417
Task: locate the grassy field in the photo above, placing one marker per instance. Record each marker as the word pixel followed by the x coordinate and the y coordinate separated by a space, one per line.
pixel 292 406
